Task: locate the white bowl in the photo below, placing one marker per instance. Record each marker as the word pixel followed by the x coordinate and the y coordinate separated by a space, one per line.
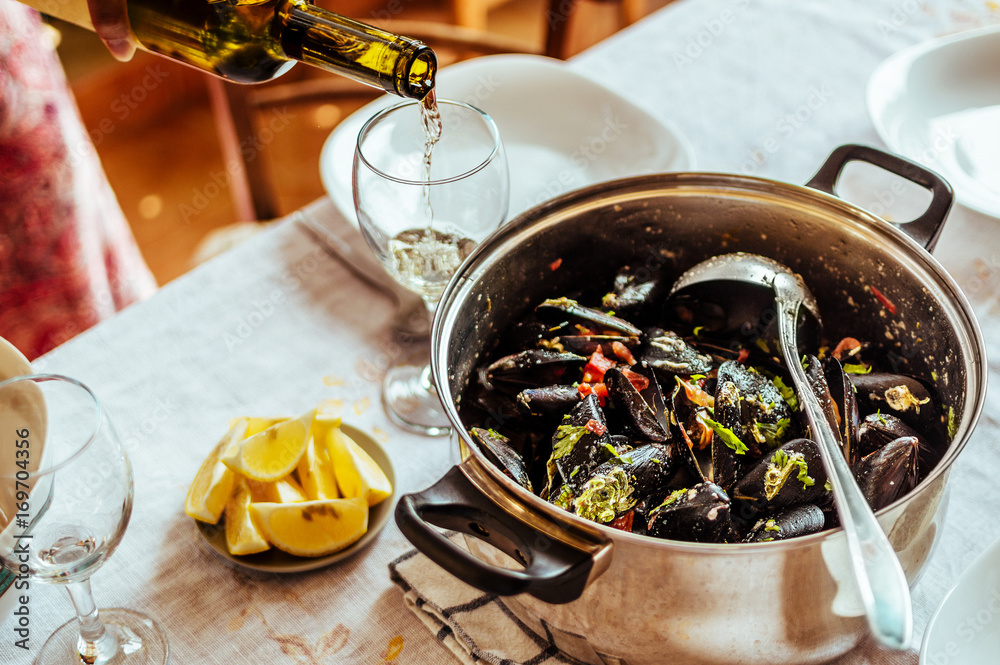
pixel 561 130
pixel 938 103
pixel 965 629
pixel 12 363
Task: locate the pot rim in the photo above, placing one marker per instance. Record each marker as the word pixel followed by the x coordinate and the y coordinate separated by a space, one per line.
pixel 635 187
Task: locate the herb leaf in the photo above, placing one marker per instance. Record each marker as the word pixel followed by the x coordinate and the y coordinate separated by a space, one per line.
pixel 725 435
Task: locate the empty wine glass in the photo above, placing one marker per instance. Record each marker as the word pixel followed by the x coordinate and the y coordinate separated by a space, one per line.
pixel 65 500
pixel 427 191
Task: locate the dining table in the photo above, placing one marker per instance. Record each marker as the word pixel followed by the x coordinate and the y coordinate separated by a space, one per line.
pixel 292 318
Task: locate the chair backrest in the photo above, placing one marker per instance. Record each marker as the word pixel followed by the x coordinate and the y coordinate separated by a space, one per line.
pixel 237 107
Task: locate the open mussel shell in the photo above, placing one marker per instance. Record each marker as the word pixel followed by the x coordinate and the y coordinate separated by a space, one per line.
pixel 690 436
pixel 793 474
pixel 580 444
pixel 570 312
pixel 548 400
pixel 534 368
pixel 878 429
pixel 846 414
pixel 668 353
pixel 897 394
pixel 498 450
pixel 633 290
pixel 586 344
pixel 649 467
pixel 789 523
pixel 889 472
pixel 638 417
pixel 699 514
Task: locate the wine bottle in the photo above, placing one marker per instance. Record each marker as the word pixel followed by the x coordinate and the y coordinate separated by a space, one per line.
pixel 247 41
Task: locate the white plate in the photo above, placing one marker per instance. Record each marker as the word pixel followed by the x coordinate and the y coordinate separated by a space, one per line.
pixel 276 561
pixel 561 130
pixel 965 629
pixel 938 103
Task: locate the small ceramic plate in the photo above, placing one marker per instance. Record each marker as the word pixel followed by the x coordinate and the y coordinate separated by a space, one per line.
pixel 276 561
pixel 561 130
pixel 965 629
pixel 938 103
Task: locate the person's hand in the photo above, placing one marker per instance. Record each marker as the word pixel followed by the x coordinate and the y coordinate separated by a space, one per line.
pixel 110 21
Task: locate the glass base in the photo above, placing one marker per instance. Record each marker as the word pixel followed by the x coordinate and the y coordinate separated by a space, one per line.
pixel 140 639
pixel 412 402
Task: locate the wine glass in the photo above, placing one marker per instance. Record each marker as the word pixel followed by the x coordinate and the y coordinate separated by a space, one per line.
pixel 430 183
pixel 65 500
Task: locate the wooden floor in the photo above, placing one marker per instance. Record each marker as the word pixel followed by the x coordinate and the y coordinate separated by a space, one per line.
pixel 154 131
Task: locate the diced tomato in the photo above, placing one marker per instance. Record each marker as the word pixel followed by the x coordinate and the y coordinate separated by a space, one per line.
pixel 584 389
pixel 623 353
pixel 555 264
pixel 848 346
pixel 744 354
pixel 623 522
pixel 593 371
pixel 888 304
pixel 596 427
pixel 601 391
pixel 638 380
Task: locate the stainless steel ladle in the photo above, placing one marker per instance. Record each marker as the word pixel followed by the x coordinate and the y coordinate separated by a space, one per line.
pixel 880 578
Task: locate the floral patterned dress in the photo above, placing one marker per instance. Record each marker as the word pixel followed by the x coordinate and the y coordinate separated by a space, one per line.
pixel 67 255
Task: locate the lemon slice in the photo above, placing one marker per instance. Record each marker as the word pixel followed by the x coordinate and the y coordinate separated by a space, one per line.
pixel 283 490
pixel 273 453
pixel 212 485
pixel 315 470
pixel 357 474
pixel 313 528
pixel 242 537
pixel 257 424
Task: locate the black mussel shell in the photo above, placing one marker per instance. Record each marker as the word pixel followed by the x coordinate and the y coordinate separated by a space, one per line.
pixel 889 472
pixel 792 474
pixel 668 353
pixel 633 289
pixel 763 419
pixel 535 368
pixel 897 394
pixel 580 444
pixel 878 429
pixel 498 450
pixel 846 407
pixel 699 514
pixel 816 378
pixel 585 345
pixel 573 313
pixel 631 408
pixel 790 523
pixel 686 432
pixel 648 468
pixel 548 400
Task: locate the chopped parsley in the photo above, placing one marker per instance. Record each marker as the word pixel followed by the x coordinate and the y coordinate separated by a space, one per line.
pixel 725 435
pixel 771 434
pixel 771 525
pixel 952 425
pixel 671 498
pixel 781 468
pixel 605 497
pixel 567 436
pixel 787 393
pixel 857 368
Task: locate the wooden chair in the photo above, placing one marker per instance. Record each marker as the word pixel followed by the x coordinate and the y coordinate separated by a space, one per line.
pixel 238 108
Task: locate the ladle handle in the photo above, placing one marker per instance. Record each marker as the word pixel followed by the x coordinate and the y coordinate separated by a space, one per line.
pixel 881 581
pixel 926 228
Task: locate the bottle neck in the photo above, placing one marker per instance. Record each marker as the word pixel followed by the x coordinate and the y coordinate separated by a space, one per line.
pixel 399 65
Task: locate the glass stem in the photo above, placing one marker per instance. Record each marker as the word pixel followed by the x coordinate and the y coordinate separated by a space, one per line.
pixel 96 644
pixel 426 376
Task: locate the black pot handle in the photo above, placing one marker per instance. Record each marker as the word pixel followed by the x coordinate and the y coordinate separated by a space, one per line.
pixel 924 229
pixel 554 571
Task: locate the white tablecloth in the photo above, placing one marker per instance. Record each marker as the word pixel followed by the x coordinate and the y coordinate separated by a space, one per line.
pixel 765 87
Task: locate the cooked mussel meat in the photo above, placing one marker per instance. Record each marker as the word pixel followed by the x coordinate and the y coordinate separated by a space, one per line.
pixel 897 394
pixel 792 474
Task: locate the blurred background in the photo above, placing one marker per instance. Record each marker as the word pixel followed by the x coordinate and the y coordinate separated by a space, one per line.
pixel 153 124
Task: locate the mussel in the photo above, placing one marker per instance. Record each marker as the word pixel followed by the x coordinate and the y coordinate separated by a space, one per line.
pixel 699 514
pixel 889 472
pixel 498 450
pixel 792 522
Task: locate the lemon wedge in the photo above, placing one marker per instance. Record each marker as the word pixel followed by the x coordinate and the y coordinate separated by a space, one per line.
pixel 242 537
pixel 283 490
pixel 272 453
pixel 257 424
pixel 212 485
pixel 313 528
pixel 315 470
pixel 357 474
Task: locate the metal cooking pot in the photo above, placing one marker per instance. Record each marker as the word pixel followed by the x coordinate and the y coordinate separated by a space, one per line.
pixel 608 596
